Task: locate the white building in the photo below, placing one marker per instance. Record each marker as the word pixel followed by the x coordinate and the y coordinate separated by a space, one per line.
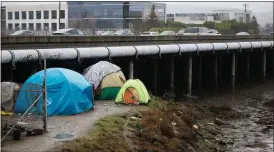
pixel 36 17
pixel 216 15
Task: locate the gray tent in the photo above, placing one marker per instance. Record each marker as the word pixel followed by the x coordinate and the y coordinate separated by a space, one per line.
pixel 8 95
pixel 96 72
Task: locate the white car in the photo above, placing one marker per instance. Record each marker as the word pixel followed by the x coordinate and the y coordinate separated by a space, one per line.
pixel 168 33
pixel 148 33
pixel 68 32
pixel 213 32
pixel 23 33
pixel 242 33
pixel 196 31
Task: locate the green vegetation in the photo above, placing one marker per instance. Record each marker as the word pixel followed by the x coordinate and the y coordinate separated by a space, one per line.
pixel 230 27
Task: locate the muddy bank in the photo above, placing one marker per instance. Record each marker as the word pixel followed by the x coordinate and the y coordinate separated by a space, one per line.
pixel 228 122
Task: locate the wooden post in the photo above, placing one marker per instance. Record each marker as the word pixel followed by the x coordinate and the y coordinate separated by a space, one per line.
pixel 172 75
pixel 45 96
pixel 233 73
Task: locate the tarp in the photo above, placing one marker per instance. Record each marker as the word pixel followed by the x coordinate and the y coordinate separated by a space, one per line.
pixel 7 95
pixel 68 93
pixel 133 85
pixel 116 79
pixel 95 73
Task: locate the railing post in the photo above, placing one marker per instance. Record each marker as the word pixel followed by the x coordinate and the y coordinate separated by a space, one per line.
pixel 200 72
pixel 248 66
pixel 233 71
pixel 264 66
pixel 216 72
pixel 131 69
pixel 190 76
pixel 155 80
pixel 172 75
pixel 45 97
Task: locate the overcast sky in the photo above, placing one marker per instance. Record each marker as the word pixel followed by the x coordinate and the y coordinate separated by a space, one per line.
pixel 262 10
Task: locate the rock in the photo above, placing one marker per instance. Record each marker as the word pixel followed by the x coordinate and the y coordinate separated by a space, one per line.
pixel 219 122
pixel 133 118
pixel 211 123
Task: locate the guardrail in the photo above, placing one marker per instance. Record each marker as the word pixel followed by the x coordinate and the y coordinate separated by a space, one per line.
pixel 22 56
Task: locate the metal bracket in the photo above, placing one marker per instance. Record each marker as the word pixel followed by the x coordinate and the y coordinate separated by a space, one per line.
pixel 197 51
pixel 109 58
pixel 262 48
pixel 159 52
pixel 240 49
pixel 12 59
pixel 251 47
pixel 227 50
pixel 213 49
pixel 136 52
pixel 39 57
pixel 180 53
pixel 271 47
pixel 78 56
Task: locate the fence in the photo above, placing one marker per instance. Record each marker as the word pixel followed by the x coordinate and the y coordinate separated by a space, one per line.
pixel 34 105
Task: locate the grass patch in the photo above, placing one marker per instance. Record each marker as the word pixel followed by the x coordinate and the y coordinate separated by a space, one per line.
pixel 165 126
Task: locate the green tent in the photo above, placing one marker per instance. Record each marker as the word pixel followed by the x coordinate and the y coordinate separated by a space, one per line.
pixel 133 92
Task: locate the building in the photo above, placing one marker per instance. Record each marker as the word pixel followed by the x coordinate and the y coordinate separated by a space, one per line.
pixel 3 18
pixel 216 15
pixel 82 14
pixel 170 17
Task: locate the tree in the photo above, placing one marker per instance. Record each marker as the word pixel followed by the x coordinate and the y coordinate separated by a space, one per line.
pixel 152 19
pixel 209 24
pixel 254 27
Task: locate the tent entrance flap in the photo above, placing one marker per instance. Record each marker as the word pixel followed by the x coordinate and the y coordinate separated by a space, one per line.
pixel 131 96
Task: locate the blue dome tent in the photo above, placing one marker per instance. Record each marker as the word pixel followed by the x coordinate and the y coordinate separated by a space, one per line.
pixel 68 92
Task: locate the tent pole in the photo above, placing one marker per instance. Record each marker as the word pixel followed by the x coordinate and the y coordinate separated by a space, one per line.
pixel 264 66
pixel 248 66
pixel 131 69
pixel 45 97
pixel 200 73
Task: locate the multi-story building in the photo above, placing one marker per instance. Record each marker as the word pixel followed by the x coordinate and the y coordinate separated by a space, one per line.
pixel 216 15
pixel 51 17
pixel 3 18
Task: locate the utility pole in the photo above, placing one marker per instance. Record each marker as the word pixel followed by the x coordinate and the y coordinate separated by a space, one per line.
pixel 59 14
pixel 245 6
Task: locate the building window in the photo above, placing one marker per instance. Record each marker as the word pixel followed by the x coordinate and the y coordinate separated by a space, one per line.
pixel 10 26
pixel 53 14
pixel 24 15
pixel 16 15
pixel 38 26
pixel 38 14
pixel 17 26
pixel 62 26
pixel 31 26
pixel 10 15
pixel 24 26
pixel 30 14
pixel 46 26
pixel 53 26
pixel 62 14
pixel 46 14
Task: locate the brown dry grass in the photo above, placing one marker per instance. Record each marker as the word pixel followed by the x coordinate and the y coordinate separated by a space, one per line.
pixel 165 127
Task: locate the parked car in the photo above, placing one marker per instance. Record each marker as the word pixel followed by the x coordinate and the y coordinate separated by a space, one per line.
pixel 242 33
pixel 149 33
pixel 23 33
pixel 168 33
pixel 271 33
pixel 125 32
pixel 68 32
pixel 181 32
pixel 196 31
pixel 107 33
pixel 213 32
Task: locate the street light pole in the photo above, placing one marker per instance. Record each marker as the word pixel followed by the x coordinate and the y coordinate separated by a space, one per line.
pixel 59 15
